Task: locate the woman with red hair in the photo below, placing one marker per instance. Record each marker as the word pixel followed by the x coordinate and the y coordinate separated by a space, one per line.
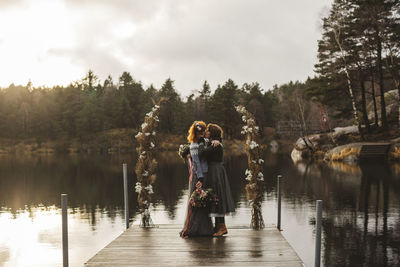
pixel 197 222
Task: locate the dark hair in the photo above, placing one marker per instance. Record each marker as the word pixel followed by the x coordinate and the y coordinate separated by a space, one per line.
pixel 215 131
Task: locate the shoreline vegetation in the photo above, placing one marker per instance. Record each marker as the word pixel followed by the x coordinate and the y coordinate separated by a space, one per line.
pixel 345 148
pixel 119 141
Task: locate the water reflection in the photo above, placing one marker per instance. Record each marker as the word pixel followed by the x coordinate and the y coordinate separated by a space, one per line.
pixel 361 211
pixel 367 234
pixel 361 224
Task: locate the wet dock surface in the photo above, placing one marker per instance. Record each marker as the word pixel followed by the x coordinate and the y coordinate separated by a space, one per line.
pixel 162 246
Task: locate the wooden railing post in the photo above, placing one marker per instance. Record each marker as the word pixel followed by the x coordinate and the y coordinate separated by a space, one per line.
pixel 318 234
pixel 126 199
pixel 64 218
pixel 279 202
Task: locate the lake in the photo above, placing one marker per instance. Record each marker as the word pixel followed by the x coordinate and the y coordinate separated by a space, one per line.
pixel 361 206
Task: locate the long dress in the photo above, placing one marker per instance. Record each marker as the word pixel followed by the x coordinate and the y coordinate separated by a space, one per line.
pixel 197 221
pixel 217 180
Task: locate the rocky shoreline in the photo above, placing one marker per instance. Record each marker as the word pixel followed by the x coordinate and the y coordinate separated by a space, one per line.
pixel 343 144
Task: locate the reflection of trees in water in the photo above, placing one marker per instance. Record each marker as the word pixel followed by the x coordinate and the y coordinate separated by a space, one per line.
pixel 172 180
pixel 361 209
pixel 354 238
pixel 91 182
pixel 94 182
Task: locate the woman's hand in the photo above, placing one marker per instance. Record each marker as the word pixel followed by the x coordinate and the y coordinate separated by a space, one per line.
pixel 215 143
pixel 199 185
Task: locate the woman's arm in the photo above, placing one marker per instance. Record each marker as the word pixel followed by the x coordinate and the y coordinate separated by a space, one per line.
pixel 206 152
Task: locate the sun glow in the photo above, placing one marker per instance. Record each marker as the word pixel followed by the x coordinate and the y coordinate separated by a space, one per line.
pixel 28 36
pixel 27 236
pixel 32 237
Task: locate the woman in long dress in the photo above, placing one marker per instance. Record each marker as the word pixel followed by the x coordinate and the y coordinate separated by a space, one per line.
pixel 217 179
pixel 197 222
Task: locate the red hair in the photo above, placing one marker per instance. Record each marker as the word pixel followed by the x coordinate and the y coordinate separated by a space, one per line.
pixel 192 130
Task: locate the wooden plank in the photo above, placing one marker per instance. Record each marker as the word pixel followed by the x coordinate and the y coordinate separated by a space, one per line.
pixel 162 246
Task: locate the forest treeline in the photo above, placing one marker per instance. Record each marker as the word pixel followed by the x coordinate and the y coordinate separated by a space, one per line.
pixel 358 61
pixel 88 106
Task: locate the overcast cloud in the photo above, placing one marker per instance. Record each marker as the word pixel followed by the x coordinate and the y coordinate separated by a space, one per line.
pixel 265 41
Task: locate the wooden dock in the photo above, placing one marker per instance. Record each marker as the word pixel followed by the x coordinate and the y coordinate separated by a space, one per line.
pixel 373 151
pixel 162 246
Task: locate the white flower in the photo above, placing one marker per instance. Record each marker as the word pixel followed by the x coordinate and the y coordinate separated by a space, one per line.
pixel 147 134
pixel 248 175
pixel 256 127
pixel 152 145
pixel 157 106
pixel 260 176
pixel 138 134
pixel 250 130
pixel 245 127
pixel 250 120
pixel 154 133
pixel 138 187
pixel 149 114
pixel 254 161
pixel 260 161
pixel 144 124
pixel 149 189
pixel 156 118
pixel 145 173
pixel 243 132
pixel 253 145
pixel 244 118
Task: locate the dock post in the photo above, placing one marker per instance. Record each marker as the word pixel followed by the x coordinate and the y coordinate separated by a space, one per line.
pixel 279 202
pixel 126 199
pixel 318 234
pixel 64 217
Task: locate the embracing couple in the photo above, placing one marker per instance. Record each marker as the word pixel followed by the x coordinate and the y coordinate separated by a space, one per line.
pixel 209 191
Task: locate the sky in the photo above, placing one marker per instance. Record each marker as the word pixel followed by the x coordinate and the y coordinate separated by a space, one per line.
pixel 55 42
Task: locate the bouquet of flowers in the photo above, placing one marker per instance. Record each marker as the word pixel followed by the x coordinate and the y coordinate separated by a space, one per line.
pixel 183 151
pixel 201 198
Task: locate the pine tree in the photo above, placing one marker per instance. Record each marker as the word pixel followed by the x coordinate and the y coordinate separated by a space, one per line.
pixel 222 108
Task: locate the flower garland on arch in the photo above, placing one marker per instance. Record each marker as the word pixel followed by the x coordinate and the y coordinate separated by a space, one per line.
pixel 146 164
pixel 254 174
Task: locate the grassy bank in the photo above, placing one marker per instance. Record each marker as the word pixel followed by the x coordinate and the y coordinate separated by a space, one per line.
pixel 112 141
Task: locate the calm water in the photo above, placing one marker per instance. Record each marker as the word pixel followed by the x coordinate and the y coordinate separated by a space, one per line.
pixel 361 225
